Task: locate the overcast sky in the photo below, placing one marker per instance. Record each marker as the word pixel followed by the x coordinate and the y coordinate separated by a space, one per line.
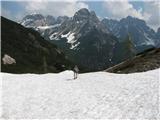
pixel 149 10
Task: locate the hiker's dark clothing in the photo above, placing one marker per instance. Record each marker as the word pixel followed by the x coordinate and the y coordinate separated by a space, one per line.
pixel 76 70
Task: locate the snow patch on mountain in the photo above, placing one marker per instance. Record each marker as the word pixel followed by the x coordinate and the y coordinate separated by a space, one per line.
pixel 48 27
pixel 70 38
pixel 149 41
pixel 53 36
pixel 65 35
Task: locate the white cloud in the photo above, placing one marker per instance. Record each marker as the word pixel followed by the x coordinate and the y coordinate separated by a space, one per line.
pixel 152 8
pixel 123 8
pixel 8 14
pixel 55 8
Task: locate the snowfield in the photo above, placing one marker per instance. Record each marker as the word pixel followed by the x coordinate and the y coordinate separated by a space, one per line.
pixel 97 95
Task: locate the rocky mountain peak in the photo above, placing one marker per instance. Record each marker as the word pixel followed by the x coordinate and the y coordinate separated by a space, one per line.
pixel 83 11
pixel 142 35
pixel 50 20
pixel 93 13
pixel 131 20
pixel 85 15
pixel 36 20
pixel 130 17
pixel 34 17
pixel 109 23
pixel 61 19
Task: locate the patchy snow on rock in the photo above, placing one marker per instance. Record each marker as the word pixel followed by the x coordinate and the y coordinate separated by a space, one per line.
pixel 149 40
pixel 8 60
pixel 53 36
pixel 70 37
pixel 97 95
pixel 74 46
pixel 65 35
pixel 25 22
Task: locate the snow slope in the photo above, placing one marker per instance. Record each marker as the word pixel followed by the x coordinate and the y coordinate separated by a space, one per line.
pixel 48 27
pixel 92 95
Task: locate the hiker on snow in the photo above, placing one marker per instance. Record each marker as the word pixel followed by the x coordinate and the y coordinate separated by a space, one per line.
pixel 76 70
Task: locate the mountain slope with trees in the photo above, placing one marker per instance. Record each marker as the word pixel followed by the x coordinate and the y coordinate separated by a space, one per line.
pixel 23 50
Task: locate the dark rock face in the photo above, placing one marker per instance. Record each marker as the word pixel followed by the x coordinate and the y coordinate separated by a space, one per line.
pixel 158 33
pixel 61 19
pixel 158 37
pixel 141 34
pixel 50 20
pixel 28 51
